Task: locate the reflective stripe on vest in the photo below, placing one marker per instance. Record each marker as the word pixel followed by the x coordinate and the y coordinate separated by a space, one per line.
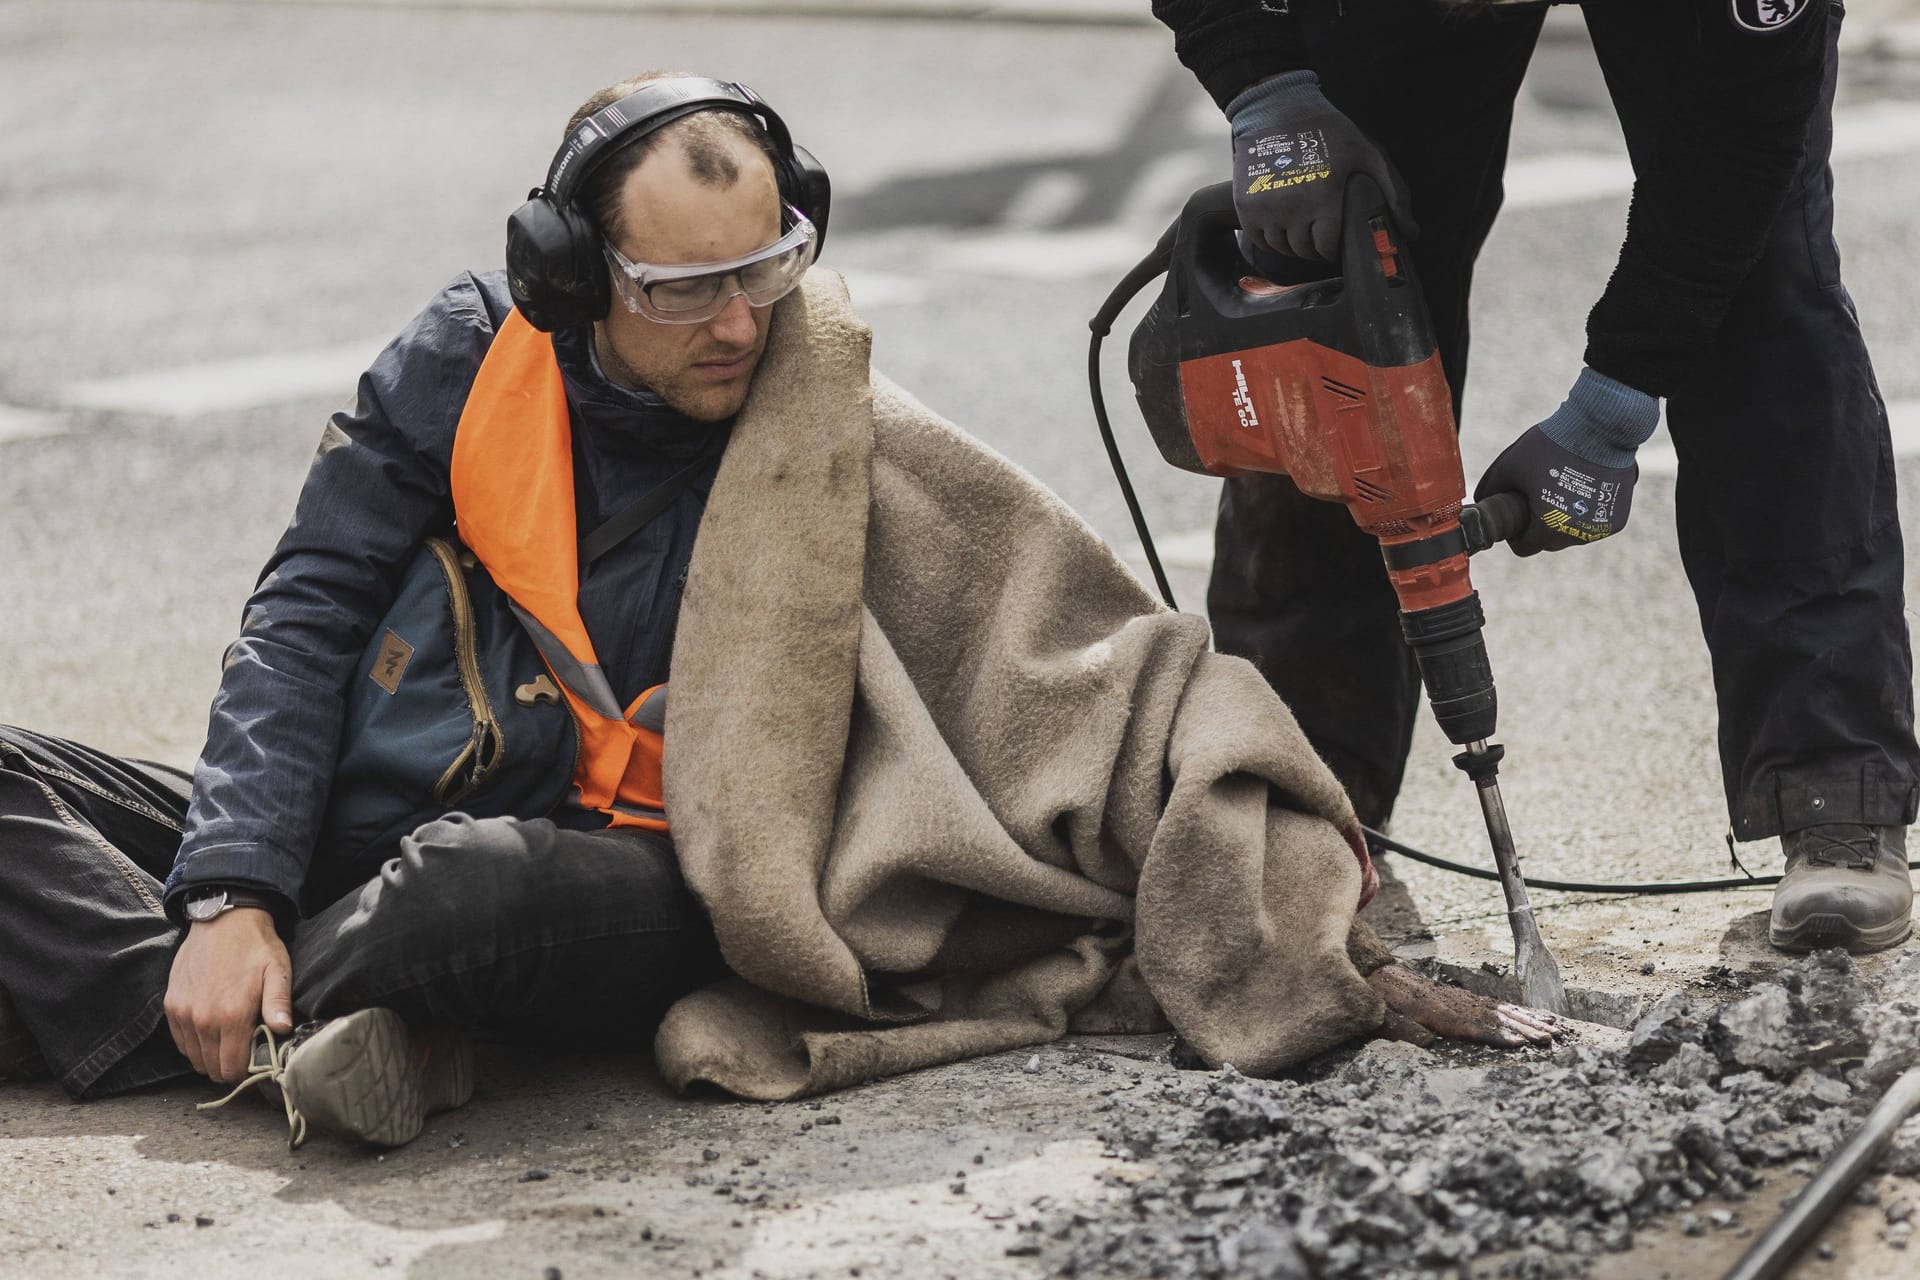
pixel 513 503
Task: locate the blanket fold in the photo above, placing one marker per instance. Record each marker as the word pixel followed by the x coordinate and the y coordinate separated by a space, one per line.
pixel 949 781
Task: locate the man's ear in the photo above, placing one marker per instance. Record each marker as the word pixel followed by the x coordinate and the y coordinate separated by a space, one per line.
pixel 555 269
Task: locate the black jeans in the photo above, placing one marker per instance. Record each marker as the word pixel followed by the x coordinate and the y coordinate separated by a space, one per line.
pixel 1801 607
pixel 517 928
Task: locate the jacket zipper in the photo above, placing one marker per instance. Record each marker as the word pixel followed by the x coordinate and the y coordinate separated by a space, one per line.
pixel 476 760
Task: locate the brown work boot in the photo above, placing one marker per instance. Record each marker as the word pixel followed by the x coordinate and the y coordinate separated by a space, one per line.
pixel 365 1077
pixel 19 1058
pixel 1846 886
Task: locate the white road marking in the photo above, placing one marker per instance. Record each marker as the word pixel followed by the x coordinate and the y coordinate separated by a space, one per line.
pixel 1043 200
pixel 1193 548
pixel 1658 458
pixel 1859 132
pixel 1875 129
pixel 883 289
pixel 1041 255
pixel 1163 187
pixel 1539 182
pixel 221 385
pixel 17 423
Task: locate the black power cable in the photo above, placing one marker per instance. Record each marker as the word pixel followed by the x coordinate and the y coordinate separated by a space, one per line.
pixel 1649 889
pixel 1132 283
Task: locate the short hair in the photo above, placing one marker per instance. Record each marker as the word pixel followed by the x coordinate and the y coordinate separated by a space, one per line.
pixel 701 135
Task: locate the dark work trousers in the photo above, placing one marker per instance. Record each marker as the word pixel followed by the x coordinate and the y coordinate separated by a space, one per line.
pixel 1786 507
pixel 515 928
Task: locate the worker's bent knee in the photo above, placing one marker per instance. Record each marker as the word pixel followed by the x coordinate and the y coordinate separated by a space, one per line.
pixel 478 887
pixel 484 921
pixel 495 874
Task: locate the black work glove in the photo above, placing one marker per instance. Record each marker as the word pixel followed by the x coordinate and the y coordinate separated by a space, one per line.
pixel 1292 155
pixel 1576 469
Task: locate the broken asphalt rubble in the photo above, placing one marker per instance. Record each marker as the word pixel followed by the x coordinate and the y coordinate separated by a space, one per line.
pixel 1402 1163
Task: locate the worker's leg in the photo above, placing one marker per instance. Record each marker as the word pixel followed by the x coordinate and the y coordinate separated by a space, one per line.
pixel 85 949
pixel 1786 508
pixel 519 928
pixel 1296 587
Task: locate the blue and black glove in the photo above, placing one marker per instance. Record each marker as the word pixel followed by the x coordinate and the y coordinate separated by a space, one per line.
pixel 1292 155
pixel 1576 469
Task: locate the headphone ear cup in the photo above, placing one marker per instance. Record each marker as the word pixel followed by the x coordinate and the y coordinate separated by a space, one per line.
pixel 555 269
pixel 810 191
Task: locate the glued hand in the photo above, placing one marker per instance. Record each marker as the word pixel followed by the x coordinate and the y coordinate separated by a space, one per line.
pixel 230 974
pixel 1420 1011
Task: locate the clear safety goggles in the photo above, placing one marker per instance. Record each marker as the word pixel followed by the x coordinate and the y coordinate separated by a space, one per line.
pixel 694 292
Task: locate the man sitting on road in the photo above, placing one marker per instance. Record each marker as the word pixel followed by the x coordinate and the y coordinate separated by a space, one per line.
pixel 924 723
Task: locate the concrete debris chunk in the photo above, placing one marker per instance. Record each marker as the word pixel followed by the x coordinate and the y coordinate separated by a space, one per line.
pixel 1758 1032
pixel 1690 1065
pixel 1609 1177
pixel 1263 1252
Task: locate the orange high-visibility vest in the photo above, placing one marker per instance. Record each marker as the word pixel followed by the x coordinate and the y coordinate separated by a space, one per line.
pixel 513 504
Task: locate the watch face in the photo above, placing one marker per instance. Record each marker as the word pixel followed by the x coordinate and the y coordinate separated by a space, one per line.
pixel 207 905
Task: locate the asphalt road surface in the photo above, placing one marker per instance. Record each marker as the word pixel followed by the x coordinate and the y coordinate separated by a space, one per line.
pixel 214 214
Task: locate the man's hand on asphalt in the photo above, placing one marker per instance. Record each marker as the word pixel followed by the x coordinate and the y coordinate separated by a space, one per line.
pixel 230 974
pixel 1576 469
pixel 1420 1011
pixel 1292 155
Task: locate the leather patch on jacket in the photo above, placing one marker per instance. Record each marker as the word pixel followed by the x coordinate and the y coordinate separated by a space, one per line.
pixel 391 662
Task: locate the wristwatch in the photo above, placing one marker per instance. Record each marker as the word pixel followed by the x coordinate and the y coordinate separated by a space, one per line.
pixel 206 903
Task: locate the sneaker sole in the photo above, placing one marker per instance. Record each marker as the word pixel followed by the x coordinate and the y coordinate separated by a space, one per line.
pixel 360 1077
pixel 1818 932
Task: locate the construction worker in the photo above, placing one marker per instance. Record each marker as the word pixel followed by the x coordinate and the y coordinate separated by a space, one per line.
pixel 1726 303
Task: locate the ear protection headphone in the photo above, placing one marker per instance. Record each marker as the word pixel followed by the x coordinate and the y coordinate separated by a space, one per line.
pixel 555 267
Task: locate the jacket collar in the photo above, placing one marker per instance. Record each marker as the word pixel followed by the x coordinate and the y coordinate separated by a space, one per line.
pixel 618 419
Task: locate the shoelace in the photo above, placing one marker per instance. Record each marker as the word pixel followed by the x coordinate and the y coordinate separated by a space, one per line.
pixel 1856 849
pixel 277 1055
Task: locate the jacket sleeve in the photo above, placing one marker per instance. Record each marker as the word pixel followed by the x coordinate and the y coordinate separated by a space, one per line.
pixel 1229 44
pixel 376 488
pixel 1708 191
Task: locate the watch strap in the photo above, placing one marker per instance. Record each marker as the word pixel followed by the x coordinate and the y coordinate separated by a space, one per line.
pixel 239 896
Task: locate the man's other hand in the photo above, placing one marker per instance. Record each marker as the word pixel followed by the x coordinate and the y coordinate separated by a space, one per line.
pixel 1420 1011
pixel 1292 155
pixel 1576 469
pixel 230 974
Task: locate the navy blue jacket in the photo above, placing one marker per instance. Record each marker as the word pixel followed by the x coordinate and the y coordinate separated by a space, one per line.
pixel 377 488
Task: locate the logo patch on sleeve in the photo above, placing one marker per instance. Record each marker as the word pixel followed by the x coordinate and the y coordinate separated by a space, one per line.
pixel 391 663
pixel 1767 15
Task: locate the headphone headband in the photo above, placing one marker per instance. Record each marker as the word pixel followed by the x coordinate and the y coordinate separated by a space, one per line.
pixel 645 111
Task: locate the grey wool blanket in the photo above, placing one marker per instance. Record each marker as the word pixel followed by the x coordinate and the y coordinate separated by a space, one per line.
pixel 950 782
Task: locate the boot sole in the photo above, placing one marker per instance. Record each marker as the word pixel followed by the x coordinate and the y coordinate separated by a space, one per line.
pixel 360 1077
pixel 1818 932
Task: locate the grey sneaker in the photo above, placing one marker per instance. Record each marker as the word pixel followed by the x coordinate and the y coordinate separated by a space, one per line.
pixel 19 1059
pixel 364 1077
pixel 1846 886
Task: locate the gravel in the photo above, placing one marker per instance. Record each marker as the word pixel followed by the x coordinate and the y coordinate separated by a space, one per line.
pixel 1394 1161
